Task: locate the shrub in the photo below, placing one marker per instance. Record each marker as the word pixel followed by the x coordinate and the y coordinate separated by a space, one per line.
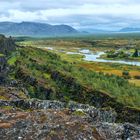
pixel 137 77
pixel 126 75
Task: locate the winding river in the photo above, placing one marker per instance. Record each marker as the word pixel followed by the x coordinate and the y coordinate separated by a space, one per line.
pixel 90 56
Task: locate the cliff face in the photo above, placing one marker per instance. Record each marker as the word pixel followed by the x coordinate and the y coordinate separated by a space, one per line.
pixel 23 118
pixel 7 45
pixel 3 68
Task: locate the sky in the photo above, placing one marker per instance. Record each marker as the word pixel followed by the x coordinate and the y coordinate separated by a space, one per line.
pixel 80 14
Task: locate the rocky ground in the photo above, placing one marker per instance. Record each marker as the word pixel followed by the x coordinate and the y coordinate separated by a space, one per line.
pixel 32 119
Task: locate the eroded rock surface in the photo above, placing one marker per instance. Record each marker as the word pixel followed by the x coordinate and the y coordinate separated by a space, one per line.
pixel 50 120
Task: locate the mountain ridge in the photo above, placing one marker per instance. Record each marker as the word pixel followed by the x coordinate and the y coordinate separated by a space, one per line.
pixel 35 29
pixel 130 29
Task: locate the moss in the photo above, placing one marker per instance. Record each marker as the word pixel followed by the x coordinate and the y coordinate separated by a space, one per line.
pixel 12 60
pixel 1 55
pixel 46 76
pixel 3 98
pixel 106 108
pixel 52 133
pixel 7 107
pixel 22 95
pixel 79 113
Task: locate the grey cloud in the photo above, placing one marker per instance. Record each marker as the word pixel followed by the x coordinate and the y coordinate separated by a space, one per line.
pixel 71 14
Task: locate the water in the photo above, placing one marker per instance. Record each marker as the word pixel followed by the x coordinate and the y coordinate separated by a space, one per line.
pixel 72 53
pixel 89 56
pixel 85 51
pixel 48 48
pixel 96 58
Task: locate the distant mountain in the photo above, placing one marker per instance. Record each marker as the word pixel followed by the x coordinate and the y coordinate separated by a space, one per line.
pixel 92 30
pixel 97 31
pixel 35 29
pixel 130 29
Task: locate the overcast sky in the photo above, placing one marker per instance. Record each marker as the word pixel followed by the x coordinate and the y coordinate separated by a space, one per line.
pixel 81 14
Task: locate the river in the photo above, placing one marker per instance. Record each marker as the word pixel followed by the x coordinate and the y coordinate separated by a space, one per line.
pixel 90 56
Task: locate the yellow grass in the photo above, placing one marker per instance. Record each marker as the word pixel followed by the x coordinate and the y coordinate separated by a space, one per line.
pixel 100 67
pixel 134 81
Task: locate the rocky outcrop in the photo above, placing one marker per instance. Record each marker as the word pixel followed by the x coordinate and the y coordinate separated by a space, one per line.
pixel 50 120
pixel 3 68
pixel 101 115
pixel 99 99
pixel 2 63
pixel 6 45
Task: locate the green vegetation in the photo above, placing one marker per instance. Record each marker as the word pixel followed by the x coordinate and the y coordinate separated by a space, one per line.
pixel 12 59
pixel 117 47
pixel 110 41
pixel 122 54
pixel 119 54
pixel 47 76
pixel 136 53
pixel 1 55
pixel 55 75
pixel 126 74
pixel 79 113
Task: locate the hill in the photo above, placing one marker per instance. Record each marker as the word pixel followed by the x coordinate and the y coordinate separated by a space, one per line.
pixel 35 29
pixel 130 29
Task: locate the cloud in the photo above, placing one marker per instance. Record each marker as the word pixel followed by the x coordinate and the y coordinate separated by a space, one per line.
pixel 80 14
